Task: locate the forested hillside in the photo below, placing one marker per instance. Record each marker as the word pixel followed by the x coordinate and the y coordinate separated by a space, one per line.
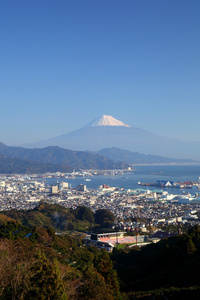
pixel 52 159
pixel 55 216
pixel 37 263
pixel 169 268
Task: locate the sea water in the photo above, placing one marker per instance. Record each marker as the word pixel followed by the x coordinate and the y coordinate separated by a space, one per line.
pixel 143 174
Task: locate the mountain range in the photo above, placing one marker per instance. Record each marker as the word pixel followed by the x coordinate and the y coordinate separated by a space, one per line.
pixel 105 132
pixel 134 158
pixel 51 159
pixel 108 132
pixel 12 165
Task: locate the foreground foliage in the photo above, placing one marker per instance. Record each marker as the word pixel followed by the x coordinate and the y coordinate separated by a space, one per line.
pixel 49 266
pixel 36 263
pixel 169 268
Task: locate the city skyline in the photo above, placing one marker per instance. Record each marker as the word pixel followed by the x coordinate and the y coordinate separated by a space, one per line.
pixel 66 63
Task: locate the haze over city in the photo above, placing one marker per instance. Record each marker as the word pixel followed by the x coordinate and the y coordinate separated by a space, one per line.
pixel 66 63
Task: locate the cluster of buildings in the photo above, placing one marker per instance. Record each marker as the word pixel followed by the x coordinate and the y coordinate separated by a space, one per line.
pixel 134 209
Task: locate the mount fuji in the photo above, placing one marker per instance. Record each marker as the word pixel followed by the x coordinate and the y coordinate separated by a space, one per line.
pixel 107 132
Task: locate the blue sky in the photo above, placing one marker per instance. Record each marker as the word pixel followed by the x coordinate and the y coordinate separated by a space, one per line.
pixel 64 63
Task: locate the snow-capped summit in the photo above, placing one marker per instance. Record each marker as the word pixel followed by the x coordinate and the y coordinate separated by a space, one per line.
pixel 107 120
pixel 107 132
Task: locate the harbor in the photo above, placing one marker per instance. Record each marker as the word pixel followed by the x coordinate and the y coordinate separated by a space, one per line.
pixel 173 184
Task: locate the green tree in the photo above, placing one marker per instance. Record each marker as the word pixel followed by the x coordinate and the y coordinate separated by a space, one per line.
pixel 93 287
pixel 104 217
pixel 104 266
pixel 84 214
pixel 194 233
pixel 46 283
